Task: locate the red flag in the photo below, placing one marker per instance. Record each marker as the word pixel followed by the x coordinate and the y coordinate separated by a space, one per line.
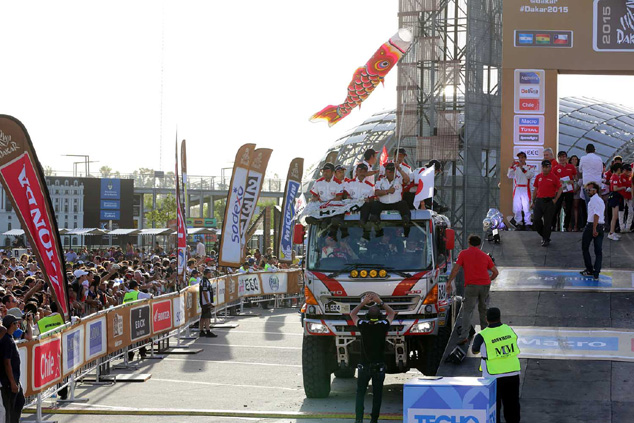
pixel 384 157
pixel 23 181
pixel 180 226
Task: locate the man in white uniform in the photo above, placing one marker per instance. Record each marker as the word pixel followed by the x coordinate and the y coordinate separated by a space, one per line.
pixel 521 174
pixel 325 189
pixel 591 168
pixel 360 188
pixel 389 189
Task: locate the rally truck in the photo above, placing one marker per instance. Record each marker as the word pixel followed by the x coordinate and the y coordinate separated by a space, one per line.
pixel 406 265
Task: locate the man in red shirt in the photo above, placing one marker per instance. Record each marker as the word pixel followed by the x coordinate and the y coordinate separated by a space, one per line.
pixel 476 264
pixel 626 181
pixel 566 173
pixel 547 191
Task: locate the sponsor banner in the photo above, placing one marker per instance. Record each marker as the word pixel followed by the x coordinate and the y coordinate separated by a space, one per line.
pixel 231 289
pixel 191 302
pixel 23 350
pixel 73 349
pixel 255 176
pixel 184 175
pixel 295 282
pixel 219 287
pixel 179 316
pixel 23 181
pixel 140 324
pixel 526 279
pixel 529 91
pixel 541 38
pixel 249 284
pixel 181 229
pixel 320 210
pixel 274 283
pixel 449 399
pixel 161 316
pixel 230 253
pixel 293 184
pixel 118 324
pixel 613 26
pixel 46 363
pixel 96 338
pixel 533 152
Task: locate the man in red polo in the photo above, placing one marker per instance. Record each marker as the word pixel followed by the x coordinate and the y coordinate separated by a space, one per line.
pixel 547 192
pixel 566 173
pixel 477 282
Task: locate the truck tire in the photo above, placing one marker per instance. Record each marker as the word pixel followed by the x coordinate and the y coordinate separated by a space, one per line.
pixel 315 369
pixel 434 350
pixel 345 372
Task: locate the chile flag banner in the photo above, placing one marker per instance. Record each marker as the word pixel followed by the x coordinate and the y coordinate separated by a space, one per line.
pixel 23 180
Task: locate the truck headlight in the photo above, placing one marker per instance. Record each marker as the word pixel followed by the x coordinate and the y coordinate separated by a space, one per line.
pixel 422 327
pixel 317 328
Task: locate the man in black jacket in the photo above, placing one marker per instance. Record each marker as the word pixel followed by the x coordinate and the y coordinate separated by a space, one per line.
pixel 374 328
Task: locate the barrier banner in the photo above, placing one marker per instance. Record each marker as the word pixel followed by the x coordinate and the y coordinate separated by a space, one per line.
pixel 161 316
pixel 23 181
pixel 249 284
pixel 72 349
pixel 46 368
pixel 320 210
pixel 191 302
pixel 178 307
pixel 219 286
pixel 140 324
pixel 24 349
pixel 118 324
pixel 255 176
pixel 96 338
pixel 284 243
pixel 231 289
pixel 295 282
pixel 274 283
pixel 230 253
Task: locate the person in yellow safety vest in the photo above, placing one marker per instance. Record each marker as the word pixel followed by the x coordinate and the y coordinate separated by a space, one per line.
pixel 500 361
pixel 194 278
pixel 51 321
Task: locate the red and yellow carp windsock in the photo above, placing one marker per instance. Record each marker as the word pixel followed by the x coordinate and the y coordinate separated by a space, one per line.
pixel 366 78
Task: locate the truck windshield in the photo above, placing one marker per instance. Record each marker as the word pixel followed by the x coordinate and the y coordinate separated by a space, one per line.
pixel 390 250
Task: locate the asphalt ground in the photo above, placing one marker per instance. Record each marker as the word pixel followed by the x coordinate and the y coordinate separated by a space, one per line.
pixel 254 370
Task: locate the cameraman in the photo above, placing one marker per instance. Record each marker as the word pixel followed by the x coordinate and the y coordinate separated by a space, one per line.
pixel 374 328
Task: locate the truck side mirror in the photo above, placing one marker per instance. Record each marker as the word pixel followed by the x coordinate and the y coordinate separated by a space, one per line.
pixel 450 239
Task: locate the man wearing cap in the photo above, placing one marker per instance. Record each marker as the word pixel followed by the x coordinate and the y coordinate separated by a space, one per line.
pixel 194 277
pixel 373 328
pixel 547 191
pixel 566 173
pixel 369 159
pixel 81 278
pixel 389 189
pixel 12 394
pixel 500 362
pixel 340 174
pixel 521 173
pixel 327 187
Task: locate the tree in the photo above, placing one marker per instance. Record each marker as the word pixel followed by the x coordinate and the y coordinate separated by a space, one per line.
pixel 48 171
pixel 105 171
pixel 219 210
pixel 164 212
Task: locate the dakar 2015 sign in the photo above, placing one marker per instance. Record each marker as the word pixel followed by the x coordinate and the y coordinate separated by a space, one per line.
pixel 613 25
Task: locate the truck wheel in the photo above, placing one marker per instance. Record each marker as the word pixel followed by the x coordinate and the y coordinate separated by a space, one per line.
pixel 434 350
pixel 315 369
pixel 345 372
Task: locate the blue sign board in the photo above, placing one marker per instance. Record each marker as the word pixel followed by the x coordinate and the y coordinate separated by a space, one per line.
pixel 584 343
pixel 110 215
pixel 95 330
pixel 110 204
pixel 73 343
pixel 110 189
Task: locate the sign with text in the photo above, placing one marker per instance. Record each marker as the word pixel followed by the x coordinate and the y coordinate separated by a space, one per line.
pixel 249 284
pixel 140 323
pixel 118 324
pixel 73 348
pixel 534 153
pixel 178 307
pixel 528 130
pixel 161 316
pixel 529 91
pixel 47 366
pixel 613 26
pixel 274 283
pixel 96 340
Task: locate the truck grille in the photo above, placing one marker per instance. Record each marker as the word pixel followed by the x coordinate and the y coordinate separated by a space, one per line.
pixel 397 303
pixel 348 328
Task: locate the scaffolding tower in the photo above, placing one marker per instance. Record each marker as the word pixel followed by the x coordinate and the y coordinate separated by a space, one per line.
pixel 449 100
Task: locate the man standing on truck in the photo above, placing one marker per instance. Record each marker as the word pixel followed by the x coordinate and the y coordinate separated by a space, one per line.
pixel 476 264
pixel 374 328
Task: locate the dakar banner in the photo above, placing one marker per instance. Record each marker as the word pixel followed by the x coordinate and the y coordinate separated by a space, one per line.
pixel 180 226
pixel 257 169
pixel 23 181
pixel 231 240
pixel 285 235
pixel 320 210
